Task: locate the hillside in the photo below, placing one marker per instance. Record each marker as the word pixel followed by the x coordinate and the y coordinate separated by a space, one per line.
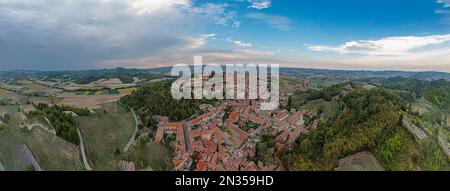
pixel 369 120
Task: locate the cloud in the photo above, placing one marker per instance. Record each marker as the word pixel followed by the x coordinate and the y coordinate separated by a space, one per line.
pixel 394 53
pixel 245 56
pixel 218 14
pixel 74 34
pixel 446 3
pixel 389 46
pixel 239 43
pixel 445 11
pixel 260 4
pixel 198 42
pixel 275 21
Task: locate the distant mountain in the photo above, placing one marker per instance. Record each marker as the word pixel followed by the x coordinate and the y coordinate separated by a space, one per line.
pixel 367 74
pixel 301 72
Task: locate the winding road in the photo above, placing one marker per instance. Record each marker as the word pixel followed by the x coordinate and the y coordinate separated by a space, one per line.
pixel 83 151
pixel 130 142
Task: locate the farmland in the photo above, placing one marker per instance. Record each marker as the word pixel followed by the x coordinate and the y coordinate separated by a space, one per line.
pixel 105 134
pixel 91 102
pixel 52 152
pixel 9 148
pixel 33 86
pixel 4 92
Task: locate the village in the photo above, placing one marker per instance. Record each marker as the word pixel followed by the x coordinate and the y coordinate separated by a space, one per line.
pixel 225 136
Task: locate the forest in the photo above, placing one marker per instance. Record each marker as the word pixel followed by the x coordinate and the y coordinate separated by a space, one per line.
pixel 63 123
pixel 370 120
pixel 156 99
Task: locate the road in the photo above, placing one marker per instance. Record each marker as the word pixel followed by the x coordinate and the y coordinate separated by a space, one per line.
pixel 83 151
pixel 187 139
pixel 130 142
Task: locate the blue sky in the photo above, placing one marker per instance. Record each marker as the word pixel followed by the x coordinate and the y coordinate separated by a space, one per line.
pixel 345 34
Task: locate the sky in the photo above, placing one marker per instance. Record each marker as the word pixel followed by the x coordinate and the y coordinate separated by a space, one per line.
pixel 411 35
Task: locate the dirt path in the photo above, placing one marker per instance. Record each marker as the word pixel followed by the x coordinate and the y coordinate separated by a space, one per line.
pixel 130 142
pixel 83 151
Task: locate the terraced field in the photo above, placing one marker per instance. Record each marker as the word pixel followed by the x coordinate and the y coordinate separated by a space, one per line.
pixel 52 152
pixel 104 133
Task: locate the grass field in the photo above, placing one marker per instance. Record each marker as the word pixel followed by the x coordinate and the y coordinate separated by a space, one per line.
pixel 150 155
pixel 329 109
pixel 104 133
pixel 53 153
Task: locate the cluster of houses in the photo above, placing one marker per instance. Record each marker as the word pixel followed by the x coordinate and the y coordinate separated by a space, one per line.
pixel 225 136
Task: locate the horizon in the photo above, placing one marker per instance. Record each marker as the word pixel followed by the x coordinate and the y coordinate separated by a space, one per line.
pixel 67 35
pixel 281 67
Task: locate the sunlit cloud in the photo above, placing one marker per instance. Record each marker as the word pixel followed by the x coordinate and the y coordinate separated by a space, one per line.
pixel 389 46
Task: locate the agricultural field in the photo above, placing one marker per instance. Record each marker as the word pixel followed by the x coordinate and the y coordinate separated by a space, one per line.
pixel 14 154
pixel 45 100
pixel 90 102
pixel 105 134
pixel 52 152
pixel 4 92
pixel 288 84
pixel 113 108
pixel 33 86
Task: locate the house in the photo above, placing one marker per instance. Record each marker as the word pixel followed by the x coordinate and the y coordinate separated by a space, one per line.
pixel 172 127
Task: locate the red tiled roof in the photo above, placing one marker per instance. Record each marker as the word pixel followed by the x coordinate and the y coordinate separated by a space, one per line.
pixel 173 126
pixel 201 166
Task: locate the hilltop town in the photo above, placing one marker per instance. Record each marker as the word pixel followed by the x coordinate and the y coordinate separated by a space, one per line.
pixel 225 137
